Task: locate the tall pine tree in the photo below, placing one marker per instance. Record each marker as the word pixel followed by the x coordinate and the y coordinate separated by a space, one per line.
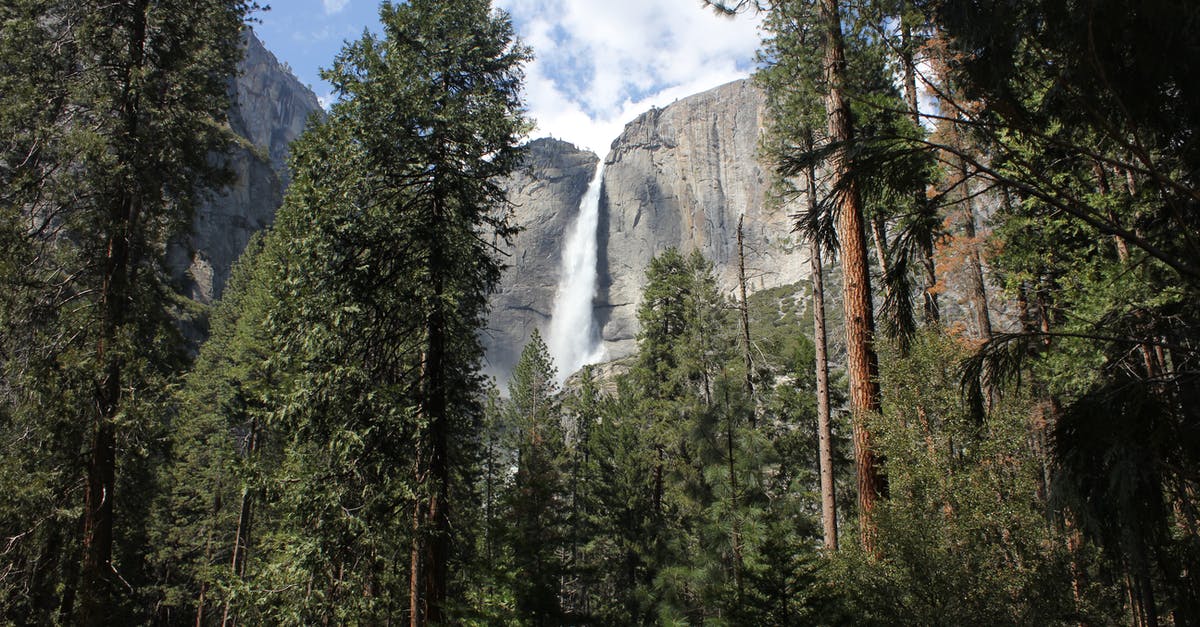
pixel 112 111
pixel 376 276
pixel 538 503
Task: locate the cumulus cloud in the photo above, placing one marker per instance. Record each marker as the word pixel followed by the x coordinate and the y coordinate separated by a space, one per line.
pixel 334 6
pixel 601 63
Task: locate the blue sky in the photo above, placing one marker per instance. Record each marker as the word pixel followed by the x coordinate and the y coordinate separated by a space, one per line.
pixel 598 62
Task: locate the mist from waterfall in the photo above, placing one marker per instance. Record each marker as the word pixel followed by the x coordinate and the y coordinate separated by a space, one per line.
pixel 573 339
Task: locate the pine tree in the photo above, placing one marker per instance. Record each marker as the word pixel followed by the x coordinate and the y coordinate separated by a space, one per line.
pixel 113 110
pixel 538 498
pixel 491 589
pixel 434 112
pixel 964 534
pixel 795 82
pixel 856 290
pixel 700 413
pixel 584 406
pixel 623 530
pixel 223 443
pixel 1111 308
pixel 368 295
pixel 1043 107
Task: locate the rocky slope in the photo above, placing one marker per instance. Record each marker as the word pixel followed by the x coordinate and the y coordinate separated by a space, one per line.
pixel 271 108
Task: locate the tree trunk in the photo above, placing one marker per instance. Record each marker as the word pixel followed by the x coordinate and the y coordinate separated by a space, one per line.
pixel 931 311
pixel 908 60
pixel 1103 187
pixel 101 475
pixel 733 502
pixel 977 291
pixel 735 527
pixel 979 299
pixel 201 599
pixel 437 546
pixel 862 361
pixel 241 538
pixel 824 430
pixel 431 532
pixel 115 291
pixel 98 517
pixel 879 239
pixel 416 612
pixel 745 311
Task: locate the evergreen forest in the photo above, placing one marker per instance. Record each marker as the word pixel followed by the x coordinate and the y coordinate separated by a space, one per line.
pixel 849 450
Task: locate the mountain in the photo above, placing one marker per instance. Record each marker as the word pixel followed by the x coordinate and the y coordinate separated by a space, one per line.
pixel 679 176
pixel 271 109
pixel 545 194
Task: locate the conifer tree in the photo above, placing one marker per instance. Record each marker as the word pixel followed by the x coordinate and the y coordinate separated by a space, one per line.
pixel 1042 107
pixel 797 81
pixel 1113 307
pixel 863 364
pixel 583 406
pixel 538 499
pixel 374 280
pixel 223 442
pixel 623 528
pixel 433 108
pixel 112 111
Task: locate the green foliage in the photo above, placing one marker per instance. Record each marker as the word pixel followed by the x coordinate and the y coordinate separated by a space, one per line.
pixel 335 424
pixel 1077 134
pixel 1097 240
pixel 891 167
pixel 689 512
pixel 222 452
pixel 538 500
pixel 344 357
pixel 966 536
pixel 110 116
pixel 776 317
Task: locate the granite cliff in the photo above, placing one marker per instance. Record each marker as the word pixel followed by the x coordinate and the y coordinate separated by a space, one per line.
pixel 271 109
pixel 545 194
pixel 681 177
pixel 678 177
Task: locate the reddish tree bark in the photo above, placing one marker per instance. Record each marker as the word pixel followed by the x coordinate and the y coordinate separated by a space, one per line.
pixel 862 361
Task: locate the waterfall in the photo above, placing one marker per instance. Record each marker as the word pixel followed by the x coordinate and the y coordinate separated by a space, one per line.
pixel 573 339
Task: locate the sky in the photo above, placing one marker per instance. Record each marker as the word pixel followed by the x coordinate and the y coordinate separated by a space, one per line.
pixel 598 63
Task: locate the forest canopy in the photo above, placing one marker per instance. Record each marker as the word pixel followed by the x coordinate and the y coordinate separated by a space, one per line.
pixel 980 408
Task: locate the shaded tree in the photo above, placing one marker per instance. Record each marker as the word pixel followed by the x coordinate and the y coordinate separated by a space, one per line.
pixel 538 500
pixel 112 111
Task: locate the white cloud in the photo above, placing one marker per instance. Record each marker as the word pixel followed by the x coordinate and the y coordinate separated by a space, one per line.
pixel 334 6
pixel 601 63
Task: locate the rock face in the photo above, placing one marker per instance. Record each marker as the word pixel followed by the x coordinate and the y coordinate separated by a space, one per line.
pixel 681 177
pixel 271 109
pixel 676 177
pixel 545 194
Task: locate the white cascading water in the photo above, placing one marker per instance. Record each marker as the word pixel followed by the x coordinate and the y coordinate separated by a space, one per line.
pixel 572 338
